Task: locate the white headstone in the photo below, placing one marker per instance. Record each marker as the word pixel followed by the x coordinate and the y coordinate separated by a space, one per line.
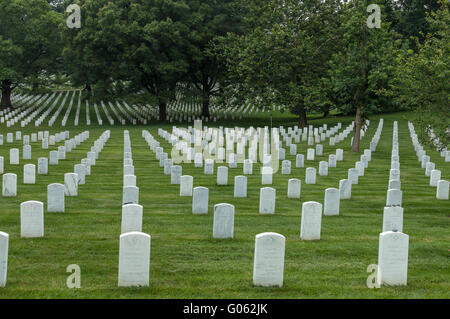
pixel 4 243
pixel 53 158
pixel 26 154
pixel 394 197
pixel 130 195
pixel 331 202
pixel 32 219
pixel 223 226
pixel 294 188
pixel 353 174
pixel 323 168
pixel 14 156
pixel 240 186
pixel 393 258
pixel 55 198
pixel 200 200
pixel 442 190
pixel 131 218
pixel 186 185
pixel 42 166
pixel 267 197
pixel 129 180
pixel 222 175
pixel 134 259
pixel 299 160
pixel 311 221
pixel 29 174
pixel 175 174
pixel 310 177
pixel 9 188
pixel 393 219
pixel 80 170
pixel 435 176
pixel 268 266
pixel 71 184
pixel 310 154
pixel 266 175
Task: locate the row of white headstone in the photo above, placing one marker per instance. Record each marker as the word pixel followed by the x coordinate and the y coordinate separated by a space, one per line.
pixel 442 186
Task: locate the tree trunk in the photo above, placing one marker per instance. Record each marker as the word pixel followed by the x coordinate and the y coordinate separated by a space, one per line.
pixel 162 111
pixel 89 90
pixel 302 121
pixel 205 96
pixel 6 95
pixel 205 108
pixel 357 136
pixel 326 113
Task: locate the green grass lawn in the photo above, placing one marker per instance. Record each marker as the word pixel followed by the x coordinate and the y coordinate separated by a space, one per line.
pixel 186 262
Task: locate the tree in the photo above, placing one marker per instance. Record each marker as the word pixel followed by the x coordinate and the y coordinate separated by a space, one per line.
pixel 281 56
pixel 422 81
pixel 361 73
pixel 207 20
pixel 29 42
pixel 143 42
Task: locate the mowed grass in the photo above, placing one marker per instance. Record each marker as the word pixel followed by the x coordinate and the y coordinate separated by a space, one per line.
pixel 186 262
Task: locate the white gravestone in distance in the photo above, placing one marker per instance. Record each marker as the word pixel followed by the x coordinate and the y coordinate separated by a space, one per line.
pixel 129 180
pixel 331 202
pixel 131 218
pixel 299 160
pixel 186 185
pixel 266 175
pixel 134 259
pixel 332 160
pixel 393 258
pixel 32 219
pixel 442 190
pixel 4 243
pixel 222 175
pixel 393 218
pixel 310 177
pixel 26 154
pixel 223 226
pixel 311 221
pixel 175 174
pixel 2 164
pixel 130 195
pixel 9 188
pixel 80 170
pixel 240 186
pixel 71 184
pixel 14 156
pixel 435 176
pixel 268 266
pixel 54 158
pixel 353 175
pixel 267 197
pixel 55 198
pixel 200 200
pixel 310 154
pixel 394 197
pixel 42 166
pixel 29 174
pixel 294 188
pixel 323 168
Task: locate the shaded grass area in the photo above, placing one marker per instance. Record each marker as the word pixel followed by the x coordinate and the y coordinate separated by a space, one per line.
pixel 186 262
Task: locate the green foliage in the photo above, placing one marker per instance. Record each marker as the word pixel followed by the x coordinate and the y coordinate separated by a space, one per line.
pixel 281 56
pixel 422 80
pixel 362 71
pixel 29 39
